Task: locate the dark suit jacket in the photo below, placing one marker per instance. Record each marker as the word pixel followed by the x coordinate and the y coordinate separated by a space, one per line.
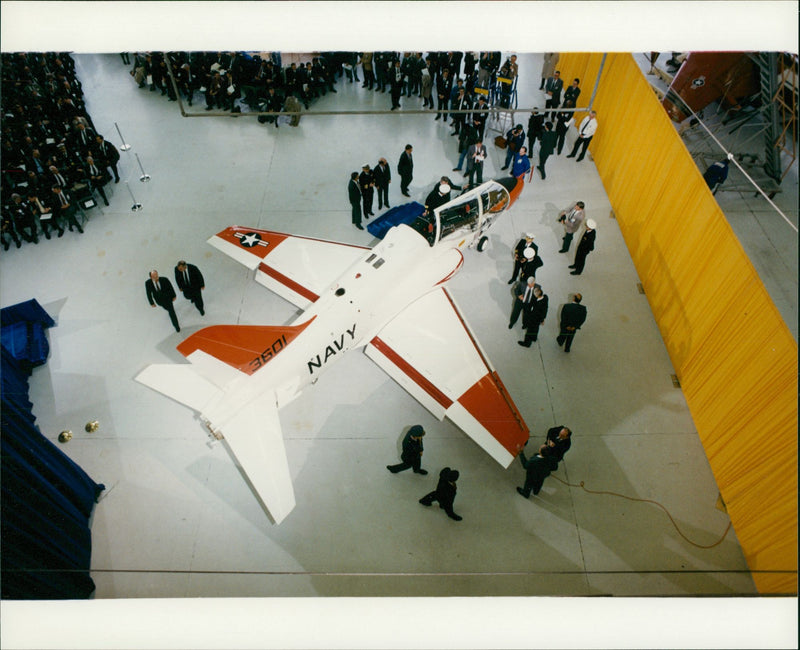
pixel 572 315
pixel 405 166
pixel 107 154
pixel 382 175
pixel 354 192
pixel 537 311
pixel 554 86
pixel 586 243
pixel 547 142
pixel 163 297
pixel 561 446
pixel 196 282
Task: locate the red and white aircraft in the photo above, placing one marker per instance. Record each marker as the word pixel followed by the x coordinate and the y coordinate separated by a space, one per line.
pixel 389 300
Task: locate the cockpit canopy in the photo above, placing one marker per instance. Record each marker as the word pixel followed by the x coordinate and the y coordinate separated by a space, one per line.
pixel 472 212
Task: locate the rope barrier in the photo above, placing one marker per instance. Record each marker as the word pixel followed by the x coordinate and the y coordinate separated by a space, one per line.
pixel 623 496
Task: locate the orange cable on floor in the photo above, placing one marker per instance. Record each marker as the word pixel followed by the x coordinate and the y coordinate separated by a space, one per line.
pixel 623 496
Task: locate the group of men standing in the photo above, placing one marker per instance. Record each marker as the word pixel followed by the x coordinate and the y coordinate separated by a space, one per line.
pixel 361 190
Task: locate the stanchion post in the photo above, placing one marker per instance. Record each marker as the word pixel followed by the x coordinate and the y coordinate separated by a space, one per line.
pixel 136 206
pixel 144 177
pixel 124 146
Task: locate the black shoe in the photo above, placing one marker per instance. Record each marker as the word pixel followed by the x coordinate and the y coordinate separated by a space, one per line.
pixel 116 180
pixel 522 492
pixel 80 230
pixel 466 174
pixel 359 226
pixel 575 273
pixel 564 250
pixel 202 313
pixel 47 235
pixel 392 469
pixel 455 517
pixel 106 202
pixel 523 344
pixel 424 503
pixel 394 107
pixel 406 194
pixel 421 471
pixel 60 233
pixel 510 325
pixel 506 167
pixel 511 281
pixel 571 266
pixel 456 169
pixel 572 155
pixel 177 329
pixel 577 159
pixel 437 117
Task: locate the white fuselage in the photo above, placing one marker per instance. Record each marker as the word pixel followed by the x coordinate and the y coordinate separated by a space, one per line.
pixel 348 314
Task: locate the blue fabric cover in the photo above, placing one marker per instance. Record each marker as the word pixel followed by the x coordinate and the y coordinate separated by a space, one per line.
pixel 399 214
pixel 46 499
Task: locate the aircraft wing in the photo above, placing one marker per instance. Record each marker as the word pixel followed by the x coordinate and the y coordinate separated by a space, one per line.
pixel 430 351
pixel 298 269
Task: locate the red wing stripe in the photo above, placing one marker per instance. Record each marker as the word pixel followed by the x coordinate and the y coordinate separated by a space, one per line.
pixel 288 283
pixel 412 373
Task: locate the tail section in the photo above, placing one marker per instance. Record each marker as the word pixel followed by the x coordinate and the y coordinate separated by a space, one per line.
pixel 246 348
pixel 251 429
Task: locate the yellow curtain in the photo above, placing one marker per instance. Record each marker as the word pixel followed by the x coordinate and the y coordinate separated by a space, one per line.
pixel 734 356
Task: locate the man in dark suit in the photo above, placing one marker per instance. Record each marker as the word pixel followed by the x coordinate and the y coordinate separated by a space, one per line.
pixel 366 181
pixel 546 147
pixel 573 315
pixel 523 298
pixel 97 175
pixel 63 209
pixel 354 194
pixel 585 246
pixel 445 492
pixel 538 468
pixel 534 317
pixel 160 292
pixel 476 154
pixel 444 84
pixel 405 167
pixel 411 456
pixel 519 254
pixel 396 79
pixel 552 89
pixel 535 128
pixel 383 176
pixel 559 439
pixel 106 154
pixel 190 282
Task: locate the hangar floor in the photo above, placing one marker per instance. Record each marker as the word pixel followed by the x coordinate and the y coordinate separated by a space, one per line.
pixel 178 519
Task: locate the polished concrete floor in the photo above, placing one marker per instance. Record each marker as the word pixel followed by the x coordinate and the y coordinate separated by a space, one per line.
pixel 177 518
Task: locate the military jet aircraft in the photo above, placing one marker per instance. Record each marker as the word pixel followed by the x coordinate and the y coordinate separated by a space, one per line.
pixel 390 300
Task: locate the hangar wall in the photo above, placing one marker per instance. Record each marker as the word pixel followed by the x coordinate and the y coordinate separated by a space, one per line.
pixel 733 353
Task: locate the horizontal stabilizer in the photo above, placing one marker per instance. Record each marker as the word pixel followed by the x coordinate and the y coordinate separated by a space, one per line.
pixel 254 437
pixel 244 347
pixel 180 382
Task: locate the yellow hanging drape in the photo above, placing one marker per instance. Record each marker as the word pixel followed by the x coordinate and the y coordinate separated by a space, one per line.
pixel 734 356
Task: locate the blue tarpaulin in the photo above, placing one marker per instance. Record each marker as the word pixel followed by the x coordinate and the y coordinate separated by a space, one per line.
pixel 399 214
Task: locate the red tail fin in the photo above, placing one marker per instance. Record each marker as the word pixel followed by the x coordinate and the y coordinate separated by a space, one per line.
pixel 245 347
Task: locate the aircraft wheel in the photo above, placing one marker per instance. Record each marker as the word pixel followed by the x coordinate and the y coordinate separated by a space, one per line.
pixel 482 243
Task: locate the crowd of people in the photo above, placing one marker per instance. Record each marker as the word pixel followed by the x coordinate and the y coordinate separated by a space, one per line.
pixel 53 160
